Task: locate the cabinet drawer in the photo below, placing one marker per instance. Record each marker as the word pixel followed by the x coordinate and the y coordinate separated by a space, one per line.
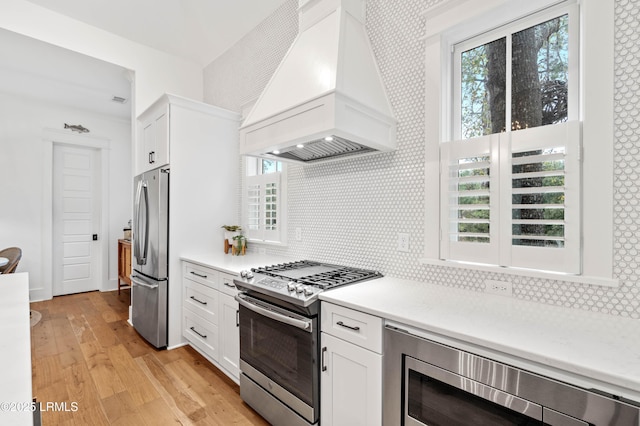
pixel 226 284
pixel 201 300
pixel 353 326
pixel 200 274
pixel 201 333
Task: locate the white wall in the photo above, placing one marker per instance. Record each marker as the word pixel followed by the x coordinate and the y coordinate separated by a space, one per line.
pixel 24 166
pixel 156 72
pixel 21 160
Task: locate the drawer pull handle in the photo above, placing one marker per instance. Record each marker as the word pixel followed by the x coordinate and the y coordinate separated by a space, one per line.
pixel 198 300
pixel 237 318
pixel 204 336
pixel 229 285
pixel 198 275
pixel 350 327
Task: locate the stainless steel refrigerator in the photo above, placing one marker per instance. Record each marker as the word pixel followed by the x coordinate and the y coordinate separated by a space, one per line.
pixel 149 277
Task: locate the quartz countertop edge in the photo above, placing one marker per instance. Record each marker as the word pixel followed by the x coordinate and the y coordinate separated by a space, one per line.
pixel 233 264
pixel 584 348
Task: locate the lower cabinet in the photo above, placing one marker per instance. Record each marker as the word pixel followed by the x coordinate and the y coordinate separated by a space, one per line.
pixel 230 338
pixel 351 367
pixel 202 334
pixel 210 316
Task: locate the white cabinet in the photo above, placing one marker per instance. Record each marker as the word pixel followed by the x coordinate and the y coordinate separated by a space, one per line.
pixel 351 376
pixel 199 145
pixel 230 336
pixel 211 316
pixel 152 145
pixel 230 326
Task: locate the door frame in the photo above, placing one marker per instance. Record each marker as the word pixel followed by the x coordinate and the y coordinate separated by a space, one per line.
pixel 57 136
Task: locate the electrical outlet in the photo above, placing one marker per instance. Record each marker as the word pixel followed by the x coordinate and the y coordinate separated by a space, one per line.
pixel 503 288
pixel 403 242
pixel 298 234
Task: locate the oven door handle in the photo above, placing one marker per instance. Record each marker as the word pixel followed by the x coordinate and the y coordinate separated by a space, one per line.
pixel 301 324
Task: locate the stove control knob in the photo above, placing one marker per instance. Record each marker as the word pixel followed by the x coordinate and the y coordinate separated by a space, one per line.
pixel 308 291
pixel 291 286
pixel 249 275
pixel 299 288
pixel 243 274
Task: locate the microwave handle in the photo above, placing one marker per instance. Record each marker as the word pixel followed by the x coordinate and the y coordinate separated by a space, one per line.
pixel 301 324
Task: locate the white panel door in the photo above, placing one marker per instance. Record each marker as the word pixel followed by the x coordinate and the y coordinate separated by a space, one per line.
pixel 350 384
pixel 76 218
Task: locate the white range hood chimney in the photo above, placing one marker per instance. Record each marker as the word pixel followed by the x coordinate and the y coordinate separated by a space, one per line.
pixel 326 99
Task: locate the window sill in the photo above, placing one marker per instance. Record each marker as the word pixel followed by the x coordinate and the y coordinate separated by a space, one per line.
pixel 578 279
pixel 267 243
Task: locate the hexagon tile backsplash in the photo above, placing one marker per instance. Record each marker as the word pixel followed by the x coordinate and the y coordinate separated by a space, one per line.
pixel 352 210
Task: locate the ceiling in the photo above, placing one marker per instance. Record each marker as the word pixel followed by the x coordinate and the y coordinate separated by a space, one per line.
pixel 51 74
pixel 197 30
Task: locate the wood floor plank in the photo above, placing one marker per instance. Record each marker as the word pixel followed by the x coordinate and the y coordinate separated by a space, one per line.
pixel 135 381
pixel 66 342
pixel 80 387
pixel 120 409
pixel 81 328
pixel 157 412
pixel 84 351
pixel 177 394
pixel 46 371
pixel 93 416
pixel 101 369
pixel 43 339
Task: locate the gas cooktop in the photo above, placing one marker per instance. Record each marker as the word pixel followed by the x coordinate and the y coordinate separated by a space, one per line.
pixel 300 282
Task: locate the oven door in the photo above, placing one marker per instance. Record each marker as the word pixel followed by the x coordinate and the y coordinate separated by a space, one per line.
pixel 279 351
pixel 437 397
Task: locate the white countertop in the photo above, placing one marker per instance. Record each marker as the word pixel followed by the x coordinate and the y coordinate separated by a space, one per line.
pixel 233 264
pixel 15 350
pixel 587 349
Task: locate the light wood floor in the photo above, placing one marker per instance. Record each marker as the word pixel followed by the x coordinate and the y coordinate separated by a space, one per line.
pixel 84 351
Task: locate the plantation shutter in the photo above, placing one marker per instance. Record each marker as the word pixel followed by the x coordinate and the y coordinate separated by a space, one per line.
pixel 263 195
pixel 513 199
pixel 469 205
pixel 541 198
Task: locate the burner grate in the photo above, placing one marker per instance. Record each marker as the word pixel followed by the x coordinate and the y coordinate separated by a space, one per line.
pixel 277 269
pixel 338 277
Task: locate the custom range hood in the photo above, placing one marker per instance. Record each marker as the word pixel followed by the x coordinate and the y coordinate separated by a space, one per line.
pixel 326 99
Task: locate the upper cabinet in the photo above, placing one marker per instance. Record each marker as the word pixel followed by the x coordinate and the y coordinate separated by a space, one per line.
pixel 152 143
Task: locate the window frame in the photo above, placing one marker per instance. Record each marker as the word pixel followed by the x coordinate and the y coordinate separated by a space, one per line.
pixel 452 21
pixel 568 7
pixel 263 236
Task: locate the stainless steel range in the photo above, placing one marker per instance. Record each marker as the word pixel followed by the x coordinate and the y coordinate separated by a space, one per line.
pixel 279 336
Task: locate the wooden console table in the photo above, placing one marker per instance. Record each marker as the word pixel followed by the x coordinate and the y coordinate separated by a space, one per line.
pixel 124 263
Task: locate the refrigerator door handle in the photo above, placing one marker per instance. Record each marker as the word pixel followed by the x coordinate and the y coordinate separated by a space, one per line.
pixel 145 191
pixel 142 223
pixel 136 223
pixel 137 281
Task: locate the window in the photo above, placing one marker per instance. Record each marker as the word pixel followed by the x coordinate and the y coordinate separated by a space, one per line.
pixel 264 200
pixel 511 196
pixel 519 100
pixel 519 77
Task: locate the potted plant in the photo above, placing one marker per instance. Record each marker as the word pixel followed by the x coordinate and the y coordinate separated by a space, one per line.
pixel 230 232
pixel 239 245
